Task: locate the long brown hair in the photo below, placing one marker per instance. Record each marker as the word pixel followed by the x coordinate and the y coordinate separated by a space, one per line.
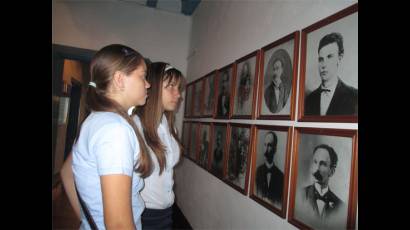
pixel 151 113
pixel 106 61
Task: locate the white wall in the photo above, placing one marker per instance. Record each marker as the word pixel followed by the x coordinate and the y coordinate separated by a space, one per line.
pixel 156 34
pixel 223 31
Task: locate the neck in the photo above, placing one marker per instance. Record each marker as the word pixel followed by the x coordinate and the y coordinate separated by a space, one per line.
pixel 321 186
pixel 329 83
pixel 277 81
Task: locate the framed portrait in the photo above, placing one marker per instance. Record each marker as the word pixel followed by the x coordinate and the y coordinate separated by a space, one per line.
pixel 324 179
pixel 238 158
pixel 218 149
pixel 197 97
pixel 246 79
pixel 209 95
pixel 278 78
pixel 329 69
pixel 186 136
pixel 193 143
pixel 224 89
pixel 188 100
pixel 204 139
pixel 270 167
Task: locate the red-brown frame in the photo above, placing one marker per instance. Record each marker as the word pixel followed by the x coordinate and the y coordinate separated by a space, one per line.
pixel 295 36
pixel 197 83
pixel 205 80
pixel 289 130
pixel 196 137
pixel 353 186
pixel 326 21
pixel 225 179
pixel 188 110
pixel 254 90
pixel 231 66
pixel 201 124
pixel 184 134
pixel 224 149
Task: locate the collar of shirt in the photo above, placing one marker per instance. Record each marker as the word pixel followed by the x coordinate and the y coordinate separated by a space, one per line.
pixel 269 165
pixel 320 190
pixel 331 86
pixel 277 84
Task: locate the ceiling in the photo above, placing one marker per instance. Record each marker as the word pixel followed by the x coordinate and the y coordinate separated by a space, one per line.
pixel 186 7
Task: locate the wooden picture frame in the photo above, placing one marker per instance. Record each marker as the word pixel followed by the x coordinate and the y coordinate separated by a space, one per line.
pixel 236 172
pixel 186 136
pixel 329 69
pixel 189 99
pixel 197 98
pixel 217 156
pixel 193 143
pixel 278 78
pixel 245 86
pixel 204 137
pixel 324 159
pixel 208 101
pixel 270 167
pixel 223 97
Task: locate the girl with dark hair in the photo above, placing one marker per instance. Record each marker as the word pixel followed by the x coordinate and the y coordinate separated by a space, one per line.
pixel 110 158
pixel 157 121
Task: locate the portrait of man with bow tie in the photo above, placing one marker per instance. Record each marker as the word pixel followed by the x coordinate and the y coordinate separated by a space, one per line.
pixel 322 200
pixel 333 96
pixel 323 179
pixel 269 178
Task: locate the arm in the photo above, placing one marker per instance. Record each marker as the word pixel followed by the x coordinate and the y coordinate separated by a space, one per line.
pixel 116 194
pixel 66 174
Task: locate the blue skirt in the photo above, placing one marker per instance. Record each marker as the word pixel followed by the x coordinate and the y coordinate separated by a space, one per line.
pixel 157 219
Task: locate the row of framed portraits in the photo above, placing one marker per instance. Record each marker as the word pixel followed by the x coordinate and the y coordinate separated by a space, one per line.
pixel 320 159
pixel 263 84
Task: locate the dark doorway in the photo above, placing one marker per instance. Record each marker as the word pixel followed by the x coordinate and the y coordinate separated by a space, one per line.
pixel 73 112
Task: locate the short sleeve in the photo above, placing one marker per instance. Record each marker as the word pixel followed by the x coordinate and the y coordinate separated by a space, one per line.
pixel 115 147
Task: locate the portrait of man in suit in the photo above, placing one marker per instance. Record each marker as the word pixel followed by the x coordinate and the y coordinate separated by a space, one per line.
pixel 223 95
pixel 203 148
pixel 323 204
pixel 238 152
pixel 333 96
pixel 278 87
pixel 218 148
pixel 269 178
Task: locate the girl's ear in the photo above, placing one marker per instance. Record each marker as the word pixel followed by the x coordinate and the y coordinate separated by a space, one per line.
pixel 118 80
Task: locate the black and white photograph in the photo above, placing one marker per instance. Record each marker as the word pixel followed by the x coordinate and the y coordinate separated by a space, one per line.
pixel 329 68
pixel 224 83
pixel 218 153
pixel 270 166
pixel 246 86
pixel 186 136
pixel 197 97
pixel 203 152
pixel 237 168
pixel 279 61
pixel 189 92
pixel 209 90
pixel 324 171
pixel 193 143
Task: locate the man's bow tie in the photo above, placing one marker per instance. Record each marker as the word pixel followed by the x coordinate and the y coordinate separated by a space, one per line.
pixel 324 198
pixel 324 90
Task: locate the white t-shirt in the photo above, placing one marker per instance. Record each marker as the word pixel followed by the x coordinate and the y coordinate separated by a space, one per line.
pixel 158 192
pixel 107 145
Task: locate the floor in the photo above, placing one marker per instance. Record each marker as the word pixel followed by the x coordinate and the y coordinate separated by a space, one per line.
pixel 64 217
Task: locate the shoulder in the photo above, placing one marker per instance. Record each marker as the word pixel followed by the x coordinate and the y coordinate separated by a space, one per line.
pixel 347 88
pixel 333 198
pixel 104 121
pixel 315 93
